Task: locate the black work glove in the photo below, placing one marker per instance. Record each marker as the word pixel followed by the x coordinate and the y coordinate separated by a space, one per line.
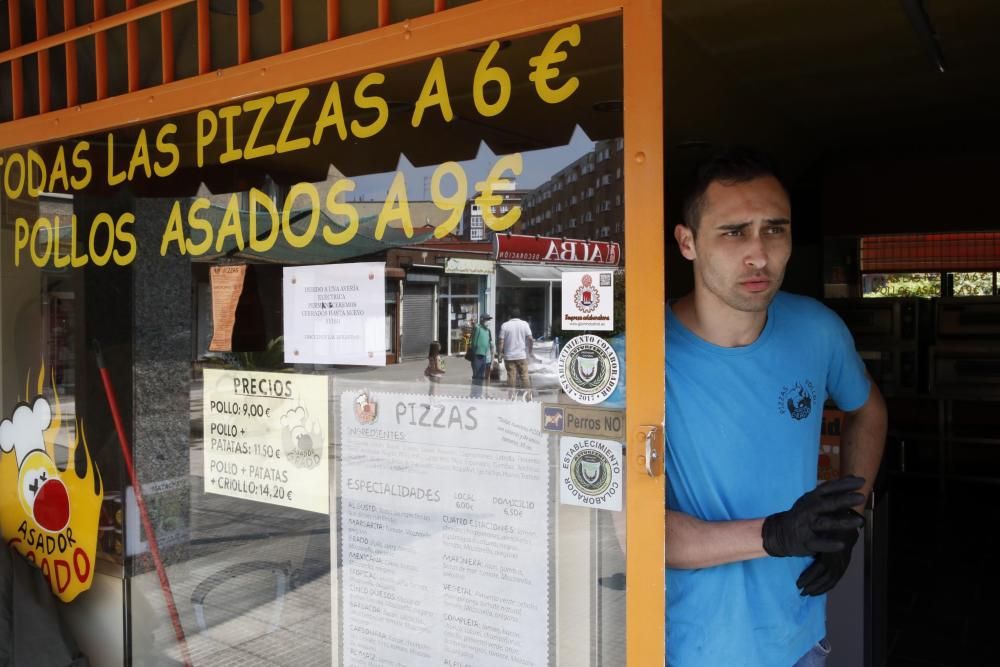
pixel 824 573
pixel 815 521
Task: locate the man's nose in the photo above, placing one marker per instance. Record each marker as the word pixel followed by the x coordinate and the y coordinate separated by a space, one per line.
pixel 756 255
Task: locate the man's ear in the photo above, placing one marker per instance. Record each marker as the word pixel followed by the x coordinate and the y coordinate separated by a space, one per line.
pixel 685 239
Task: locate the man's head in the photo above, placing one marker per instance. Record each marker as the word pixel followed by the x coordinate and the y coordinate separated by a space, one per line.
pixel 737 230
pixel 485 318
pixel 515 312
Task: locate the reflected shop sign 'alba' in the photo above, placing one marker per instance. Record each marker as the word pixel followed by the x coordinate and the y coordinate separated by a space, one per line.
pixel 56 242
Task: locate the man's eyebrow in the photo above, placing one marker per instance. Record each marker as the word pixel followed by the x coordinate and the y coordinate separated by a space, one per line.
pixel 774 222
pixel 734 226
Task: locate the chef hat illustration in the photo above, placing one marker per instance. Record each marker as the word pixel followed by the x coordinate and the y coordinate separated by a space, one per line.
pixel 22 433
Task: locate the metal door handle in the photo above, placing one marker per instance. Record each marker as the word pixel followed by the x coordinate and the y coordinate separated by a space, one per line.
pixel 649 435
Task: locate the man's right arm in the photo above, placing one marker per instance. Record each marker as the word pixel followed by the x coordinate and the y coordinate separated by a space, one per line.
pixel 812 525
pixel 693 543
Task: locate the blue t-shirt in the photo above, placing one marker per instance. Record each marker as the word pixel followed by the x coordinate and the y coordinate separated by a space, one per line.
pixel 743 427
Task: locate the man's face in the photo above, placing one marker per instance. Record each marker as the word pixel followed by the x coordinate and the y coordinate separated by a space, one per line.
pixel 743 242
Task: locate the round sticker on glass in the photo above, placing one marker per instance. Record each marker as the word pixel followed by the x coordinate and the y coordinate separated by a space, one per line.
pixel 588 369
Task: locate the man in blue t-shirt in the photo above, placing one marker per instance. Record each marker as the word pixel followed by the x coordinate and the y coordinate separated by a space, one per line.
pixel 752 544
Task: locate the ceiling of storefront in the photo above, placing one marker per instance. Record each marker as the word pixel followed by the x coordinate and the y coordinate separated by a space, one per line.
pixel 806 79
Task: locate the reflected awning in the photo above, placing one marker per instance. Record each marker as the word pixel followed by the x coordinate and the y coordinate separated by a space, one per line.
pixel 534 272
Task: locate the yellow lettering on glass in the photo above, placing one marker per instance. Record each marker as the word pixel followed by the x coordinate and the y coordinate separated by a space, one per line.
pixel 258 243
pixel 22 232
pixel 207 128
pixel 167 147
pixel 262 106
pixel 122 259
pixel 231 225
pixel 174 231
pixel 363 101
pixel 341 208
pixel 435 92
pixel 114 177
pixel 332 114
pixel 231 154
pixel 201 225
pixel 488 199
pixel 550 55
pixel 297 98
pixel 81 162
pixel 454 202
pixel 303 239
pixel 36 184
pixel 42 224
pixel 140 157
pixel 102 220
pixel 60 173
pixel 484 75
pixel 396 207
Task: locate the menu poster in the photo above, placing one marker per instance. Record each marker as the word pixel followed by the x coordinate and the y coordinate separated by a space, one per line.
pixel 227 286
pixel 444 525
pixel 266 438
pixel 335 314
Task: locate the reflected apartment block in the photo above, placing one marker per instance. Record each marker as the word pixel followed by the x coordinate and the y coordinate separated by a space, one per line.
pixel 583 200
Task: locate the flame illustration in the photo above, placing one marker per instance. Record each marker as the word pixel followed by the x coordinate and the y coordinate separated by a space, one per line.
pixel 65 556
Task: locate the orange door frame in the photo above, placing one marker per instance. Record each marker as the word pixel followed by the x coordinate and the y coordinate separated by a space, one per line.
pixel 455 29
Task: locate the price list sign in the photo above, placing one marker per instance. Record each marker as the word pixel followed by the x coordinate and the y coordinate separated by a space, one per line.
pixel 266 438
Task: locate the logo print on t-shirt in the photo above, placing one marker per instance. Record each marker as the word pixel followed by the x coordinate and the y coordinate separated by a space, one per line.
pixel 797 400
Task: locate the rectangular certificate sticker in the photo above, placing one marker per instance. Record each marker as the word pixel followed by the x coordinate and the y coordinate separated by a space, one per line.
pixel 588 301
pixel 266 438
pixel 590 473
pixel 335 314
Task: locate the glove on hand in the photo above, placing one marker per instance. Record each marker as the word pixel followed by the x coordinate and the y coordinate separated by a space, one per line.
pixel 815 522
pixel 824 573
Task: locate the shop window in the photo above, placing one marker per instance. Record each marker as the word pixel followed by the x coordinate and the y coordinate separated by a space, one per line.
pixel 876 285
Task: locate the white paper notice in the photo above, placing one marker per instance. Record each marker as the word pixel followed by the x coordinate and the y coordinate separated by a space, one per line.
pixel 588 300
pixel 335 314
pixel 444 531
pixel 266 438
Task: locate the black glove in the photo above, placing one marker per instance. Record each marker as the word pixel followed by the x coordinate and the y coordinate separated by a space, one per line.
pixel 824 573
pixel 814 522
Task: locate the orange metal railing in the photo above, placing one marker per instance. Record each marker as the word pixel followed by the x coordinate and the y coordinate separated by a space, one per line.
pixel 134 11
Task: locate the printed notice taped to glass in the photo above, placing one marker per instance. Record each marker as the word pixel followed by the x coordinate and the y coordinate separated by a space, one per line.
pixel 335 314
pixel 266 438
pixel 444 526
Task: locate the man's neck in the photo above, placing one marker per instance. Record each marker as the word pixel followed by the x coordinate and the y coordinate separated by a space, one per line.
pixel 715 322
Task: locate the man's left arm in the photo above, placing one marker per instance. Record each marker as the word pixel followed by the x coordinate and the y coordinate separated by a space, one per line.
pixel 863 439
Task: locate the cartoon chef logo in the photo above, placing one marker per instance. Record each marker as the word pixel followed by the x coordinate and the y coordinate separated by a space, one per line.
pixel 50 515
pixel 42 493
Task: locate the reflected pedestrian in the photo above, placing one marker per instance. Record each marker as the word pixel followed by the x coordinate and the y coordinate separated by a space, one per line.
pixel 480 354
pixel 516 344
pixel 435 366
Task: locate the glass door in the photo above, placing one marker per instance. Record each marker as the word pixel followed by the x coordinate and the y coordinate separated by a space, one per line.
pixel 366 429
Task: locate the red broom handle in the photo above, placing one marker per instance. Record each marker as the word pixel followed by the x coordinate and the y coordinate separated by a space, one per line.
pixel 154 549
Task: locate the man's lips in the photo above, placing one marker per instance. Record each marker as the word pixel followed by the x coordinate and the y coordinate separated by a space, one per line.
pixel 755 284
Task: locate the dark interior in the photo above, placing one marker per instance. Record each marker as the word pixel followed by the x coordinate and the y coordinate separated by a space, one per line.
pixel 881 115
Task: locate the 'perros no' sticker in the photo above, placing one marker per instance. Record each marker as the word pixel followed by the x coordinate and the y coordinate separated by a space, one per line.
pixel 588 369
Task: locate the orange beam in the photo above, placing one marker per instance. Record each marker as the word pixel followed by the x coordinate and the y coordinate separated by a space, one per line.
pixel 44 82
pixel 332 19
pixel 458 28
pixel 286 26
pixel 440 5
pixel 167 45
pixel 384 12
pixel 72 85
pixel 645 526
pixel 99 25
pixel 132 49
pixel 100 53
pixel 16 72
pixel 243 31
pixel 204 38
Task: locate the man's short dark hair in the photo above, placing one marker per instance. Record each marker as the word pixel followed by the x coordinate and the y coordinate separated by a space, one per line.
pixel 729 166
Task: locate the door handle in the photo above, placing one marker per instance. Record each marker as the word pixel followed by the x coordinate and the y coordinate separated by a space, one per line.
pixel 652 454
